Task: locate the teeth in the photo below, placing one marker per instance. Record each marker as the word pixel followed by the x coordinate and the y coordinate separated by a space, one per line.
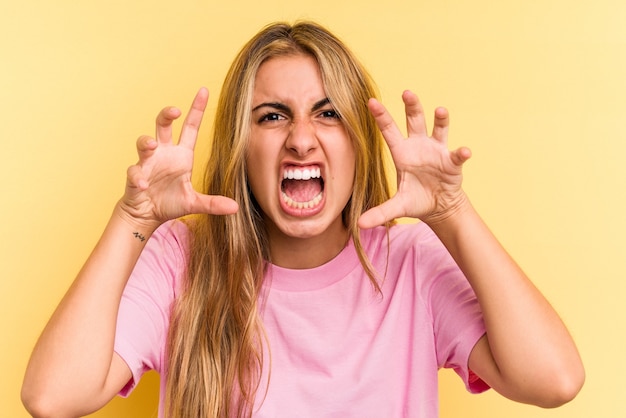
pixel 302 205
pixel 304 174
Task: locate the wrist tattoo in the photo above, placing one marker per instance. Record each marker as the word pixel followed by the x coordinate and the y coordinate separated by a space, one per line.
pixel 139 236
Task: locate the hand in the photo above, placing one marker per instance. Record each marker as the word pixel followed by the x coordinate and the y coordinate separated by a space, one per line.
pixel 429 175
pixel 159 186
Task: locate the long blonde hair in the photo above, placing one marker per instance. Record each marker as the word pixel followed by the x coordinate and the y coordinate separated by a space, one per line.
pixel 216 337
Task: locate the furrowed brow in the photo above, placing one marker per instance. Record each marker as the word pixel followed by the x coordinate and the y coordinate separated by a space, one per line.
pixel 277 106
pixel 320 104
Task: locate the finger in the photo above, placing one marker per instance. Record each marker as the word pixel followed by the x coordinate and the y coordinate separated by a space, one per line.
pixel 145 147
pixel 191 126
pixel 415 120
pixel 461 155
pixel 385 123
pixel 442 122
pixel 135 178
pixel 214 205
pixel 164 123
pixel 379 215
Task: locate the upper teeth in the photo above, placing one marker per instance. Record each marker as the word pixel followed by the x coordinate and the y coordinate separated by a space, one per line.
pixel 305 174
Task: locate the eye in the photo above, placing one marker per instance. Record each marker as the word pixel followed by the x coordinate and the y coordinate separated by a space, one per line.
pixel 271 117
pixel 329 117
pixel 329 113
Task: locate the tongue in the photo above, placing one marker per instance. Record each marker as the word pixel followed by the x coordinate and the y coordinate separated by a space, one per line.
pixel 302 190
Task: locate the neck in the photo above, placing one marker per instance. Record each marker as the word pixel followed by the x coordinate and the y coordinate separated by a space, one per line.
pixel 305 253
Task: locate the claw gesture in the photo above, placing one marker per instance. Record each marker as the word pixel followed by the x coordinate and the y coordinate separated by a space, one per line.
pixel 158 186
pixel 429 175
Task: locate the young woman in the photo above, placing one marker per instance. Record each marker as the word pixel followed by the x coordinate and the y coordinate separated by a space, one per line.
pixel 291 292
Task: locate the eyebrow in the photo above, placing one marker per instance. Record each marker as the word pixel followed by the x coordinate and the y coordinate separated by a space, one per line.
pixel 320 104
pixel 283 107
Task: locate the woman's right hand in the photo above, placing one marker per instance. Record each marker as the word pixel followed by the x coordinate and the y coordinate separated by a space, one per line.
pixel 159 186
pixel 158 189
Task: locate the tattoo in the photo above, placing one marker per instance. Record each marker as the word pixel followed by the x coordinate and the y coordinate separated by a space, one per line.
pixel 139 236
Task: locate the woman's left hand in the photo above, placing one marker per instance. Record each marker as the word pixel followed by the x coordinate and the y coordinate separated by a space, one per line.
pixel 429 174
pixel 527 353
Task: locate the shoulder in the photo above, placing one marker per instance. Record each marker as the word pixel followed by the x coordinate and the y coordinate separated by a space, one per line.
pixel 401 238
pixel 175 232
pixel 411 250
pixel 406 250
pixel 171 240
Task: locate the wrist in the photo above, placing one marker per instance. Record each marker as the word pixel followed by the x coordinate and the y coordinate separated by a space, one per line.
pixel 138 227
pixel 452 215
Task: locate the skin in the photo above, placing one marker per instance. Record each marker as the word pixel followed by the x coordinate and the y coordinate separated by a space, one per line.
pixel 82 329
pixel 526 354
pixel 294 126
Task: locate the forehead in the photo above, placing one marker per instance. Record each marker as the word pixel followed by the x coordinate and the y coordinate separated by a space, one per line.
pixel 287 78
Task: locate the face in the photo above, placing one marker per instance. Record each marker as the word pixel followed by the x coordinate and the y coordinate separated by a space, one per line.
pixel 301 162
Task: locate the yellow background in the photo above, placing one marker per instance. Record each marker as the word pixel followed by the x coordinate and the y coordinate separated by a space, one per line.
pixel 536 88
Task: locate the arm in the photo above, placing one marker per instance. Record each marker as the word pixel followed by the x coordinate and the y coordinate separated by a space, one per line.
pixel 527 353
pixel 73 370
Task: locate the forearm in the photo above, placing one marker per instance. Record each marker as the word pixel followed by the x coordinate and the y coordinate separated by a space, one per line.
pixel 71 361
pixel 533 352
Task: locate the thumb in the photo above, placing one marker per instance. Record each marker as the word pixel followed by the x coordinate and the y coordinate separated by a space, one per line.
pixel 214 205
pixel 380 215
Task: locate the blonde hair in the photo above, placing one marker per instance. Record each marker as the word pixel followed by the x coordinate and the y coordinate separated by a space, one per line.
pixel 216 337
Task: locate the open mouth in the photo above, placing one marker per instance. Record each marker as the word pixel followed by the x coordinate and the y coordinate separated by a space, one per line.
pixel 302 187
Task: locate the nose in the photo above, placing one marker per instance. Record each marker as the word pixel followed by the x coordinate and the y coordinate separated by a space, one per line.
pixel 302 138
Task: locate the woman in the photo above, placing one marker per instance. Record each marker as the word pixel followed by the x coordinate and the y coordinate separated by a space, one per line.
pixel 292 293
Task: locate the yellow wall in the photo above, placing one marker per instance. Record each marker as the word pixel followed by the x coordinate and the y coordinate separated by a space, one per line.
pixel 537 89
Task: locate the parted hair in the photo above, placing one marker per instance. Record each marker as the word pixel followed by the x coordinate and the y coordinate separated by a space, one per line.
pixel 216 339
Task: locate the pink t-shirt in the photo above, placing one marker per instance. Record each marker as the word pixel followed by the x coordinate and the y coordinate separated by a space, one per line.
pixel 338 349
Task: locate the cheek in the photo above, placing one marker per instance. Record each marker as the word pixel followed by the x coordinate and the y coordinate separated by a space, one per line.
pixel 350 164
pixel 346 173
pixel 259 173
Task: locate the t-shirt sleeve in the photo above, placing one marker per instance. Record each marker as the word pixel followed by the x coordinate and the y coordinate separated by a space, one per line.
pixel 457 317
pixel 143 317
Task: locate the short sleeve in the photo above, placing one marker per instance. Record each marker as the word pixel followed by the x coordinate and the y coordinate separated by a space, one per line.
pixel 144 313
pixel 456 315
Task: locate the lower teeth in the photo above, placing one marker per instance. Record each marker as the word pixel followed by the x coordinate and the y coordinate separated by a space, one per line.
pixel 302 205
